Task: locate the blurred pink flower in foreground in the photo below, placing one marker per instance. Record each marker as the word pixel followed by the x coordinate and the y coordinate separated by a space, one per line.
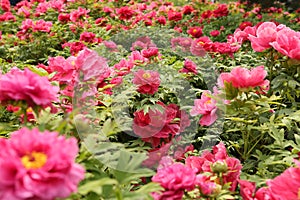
pixel 37 165
pixel 18 85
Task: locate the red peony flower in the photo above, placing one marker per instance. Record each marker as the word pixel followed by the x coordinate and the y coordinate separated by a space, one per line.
pixel 196 31
pixel 150 52
pixel 174 16
pixel 221 11
pixel 87 37
pixel 27 86
pixel 214 33
pixel 37 165
pixel 147 81
pixel 125 13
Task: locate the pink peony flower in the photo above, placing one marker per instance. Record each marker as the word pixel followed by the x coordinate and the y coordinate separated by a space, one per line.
pixel 189 67
pixel 288 43
pixel 92 66
pixel 37 165
pixel 243 78
pixel 147 81
pixel 150 52
pixel 286 186
pixel 265 34
pixel 18 85
pixel 176 177
pixel 215 162
pixel 65 69
pixel 206 106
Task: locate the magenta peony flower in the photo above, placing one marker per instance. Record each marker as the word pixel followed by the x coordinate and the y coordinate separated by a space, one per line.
pixel 189 67
pixel 147 81
pixel 265 34
pixel 288 43
pixel 37 165
pixel 150 52
pixel 215 162
pixel 286 186
pixel 206 106
pixel 65 69
pixel 243 78
pixel 18 85
pixel 176 177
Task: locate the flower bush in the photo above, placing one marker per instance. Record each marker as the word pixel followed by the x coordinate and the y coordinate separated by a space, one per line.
pixel 149 100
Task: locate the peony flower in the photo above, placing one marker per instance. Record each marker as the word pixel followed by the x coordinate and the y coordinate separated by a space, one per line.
pixel 125 13
pixel 65 69
pixel 288 43
pixel 206 106
pixel 214 33
pixel 216 162
pixel 265 34
pixel 37 165
pixel 189 67
pixel 176 177
pixel 18 85
pixel 286 186
pixel 174 16
pixel 243 78
pixel 87 37
pixel 92 66
pixel 150 52
pixel 196 31
pixel 221 11
pixel 147 81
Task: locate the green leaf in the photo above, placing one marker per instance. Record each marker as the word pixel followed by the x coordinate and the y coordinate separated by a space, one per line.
pixel 96 186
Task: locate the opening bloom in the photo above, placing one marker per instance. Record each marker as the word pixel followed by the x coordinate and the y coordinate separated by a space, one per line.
pixel 37 165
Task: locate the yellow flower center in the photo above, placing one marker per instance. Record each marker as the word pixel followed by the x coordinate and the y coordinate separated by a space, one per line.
pixel 201 43
pixel 146 75
pixel 34 160
pixel 208 102
pixel 195 31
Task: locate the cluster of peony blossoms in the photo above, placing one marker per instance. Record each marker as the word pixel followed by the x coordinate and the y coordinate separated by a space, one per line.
pixel 266 35
pixel 201 174
pixel 38 165
pixel 241 79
